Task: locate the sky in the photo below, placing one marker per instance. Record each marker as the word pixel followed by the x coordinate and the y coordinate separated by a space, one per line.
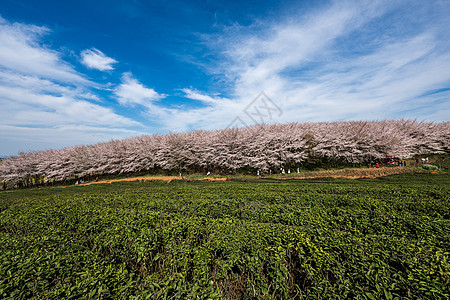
pixel 83 72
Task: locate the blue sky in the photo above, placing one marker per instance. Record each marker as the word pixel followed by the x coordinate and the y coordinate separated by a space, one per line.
pixel 81 72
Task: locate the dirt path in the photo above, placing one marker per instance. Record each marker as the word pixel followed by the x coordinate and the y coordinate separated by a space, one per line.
pixel 139 179
pixel 343 173
pixel 153 179
pixel 352 173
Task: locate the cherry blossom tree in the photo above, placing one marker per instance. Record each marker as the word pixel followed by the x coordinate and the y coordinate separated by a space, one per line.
pixel 264 146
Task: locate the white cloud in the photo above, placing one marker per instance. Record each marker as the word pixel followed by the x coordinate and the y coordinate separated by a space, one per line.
pixel 196 95
pixel 20 106
pixel 26 138
pixel 338 62
pixel 41 95
pixel 96 59
pixel 131 92
pixel 21 51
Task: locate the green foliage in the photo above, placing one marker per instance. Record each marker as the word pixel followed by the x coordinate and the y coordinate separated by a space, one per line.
pixel 367 239
pixel 430 167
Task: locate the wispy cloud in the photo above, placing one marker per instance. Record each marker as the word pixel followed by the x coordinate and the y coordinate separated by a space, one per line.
pixel 22 52
pixel 131 92
pixel 337 62
pixel 24 138
pixel 96 59
pixel 340 60
pixel 40 92
pixel 196 95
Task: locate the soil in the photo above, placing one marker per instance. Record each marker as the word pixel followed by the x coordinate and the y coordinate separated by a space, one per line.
pixel 140 179
pixel 343 173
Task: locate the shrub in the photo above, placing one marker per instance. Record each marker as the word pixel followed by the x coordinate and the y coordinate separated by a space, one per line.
pixel 430 167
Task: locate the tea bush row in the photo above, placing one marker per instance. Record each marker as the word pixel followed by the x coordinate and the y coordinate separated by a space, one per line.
pixel 336 239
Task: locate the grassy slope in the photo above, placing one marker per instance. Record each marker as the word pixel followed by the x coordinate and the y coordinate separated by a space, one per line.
pixel 327 238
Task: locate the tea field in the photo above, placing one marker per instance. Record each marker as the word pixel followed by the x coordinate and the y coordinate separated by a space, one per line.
pixel 385 238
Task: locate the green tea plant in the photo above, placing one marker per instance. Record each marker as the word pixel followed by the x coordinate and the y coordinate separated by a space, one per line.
pixel 330 239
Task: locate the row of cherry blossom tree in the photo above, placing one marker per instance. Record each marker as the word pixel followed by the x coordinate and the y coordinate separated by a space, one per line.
pixel 266 147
